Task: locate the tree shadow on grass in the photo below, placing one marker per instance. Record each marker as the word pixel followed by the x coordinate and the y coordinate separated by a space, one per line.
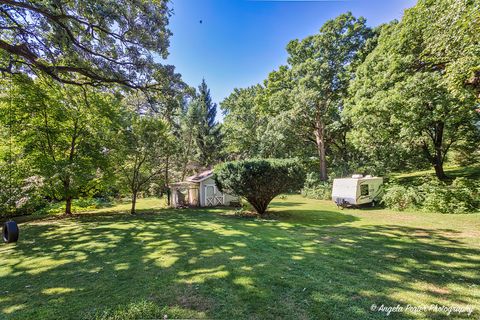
pixel 285 203
pixel 311 217
pixel 199 264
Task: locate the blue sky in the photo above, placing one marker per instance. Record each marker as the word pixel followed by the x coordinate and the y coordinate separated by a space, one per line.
pixel 240 41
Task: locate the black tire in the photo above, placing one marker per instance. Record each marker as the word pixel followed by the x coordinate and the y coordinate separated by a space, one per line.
pixel 10 232
pixel 374 203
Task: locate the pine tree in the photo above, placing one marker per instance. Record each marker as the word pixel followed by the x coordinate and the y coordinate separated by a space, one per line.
pixel 206 129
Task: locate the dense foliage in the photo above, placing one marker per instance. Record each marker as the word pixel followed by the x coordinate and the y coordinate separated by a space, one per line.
pixel 402 103
pixel 241 123
pixel 86 42
pixel 462 195
pixel 60 135
pixel 259 180
pixel 314 188
pixel 399 197
pixel 75 128
pixel 401 96
pixel 205 129
pixel 142 152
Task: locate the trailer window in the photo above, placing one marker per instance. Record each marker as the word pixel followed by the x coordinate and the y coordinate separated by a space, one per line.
pixel 364 190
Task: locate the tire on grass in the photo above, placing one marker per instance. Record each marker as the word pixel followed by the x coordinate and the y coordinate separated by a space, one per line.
pixel 10 232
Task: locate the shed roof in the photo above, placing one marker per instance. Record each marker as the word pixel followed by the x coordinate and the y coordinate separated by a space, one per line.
pixel 184 184
pixel 200 176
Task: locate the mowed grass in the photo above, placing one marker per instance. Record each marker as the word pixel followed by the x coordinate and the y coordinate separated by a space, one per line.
pixel 309 261
pixel 452 172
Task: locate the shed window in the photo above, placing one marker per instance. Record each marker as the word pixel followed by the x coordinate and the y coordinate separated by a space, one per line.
pixel 364 190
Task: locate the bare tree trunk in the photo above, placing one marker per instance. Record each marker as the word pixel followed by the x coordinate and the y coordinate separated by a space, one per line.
pixel 68 197
pixel 320 142
pixel 167 181
pixel 439 172
pixel 439 156
pixel 134 201
pixel 68 205
pixel 185 162
pixel 66 183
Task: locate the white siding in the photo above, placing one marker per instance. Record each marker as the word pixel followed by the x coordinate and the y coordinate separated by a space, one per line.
pixel 211 181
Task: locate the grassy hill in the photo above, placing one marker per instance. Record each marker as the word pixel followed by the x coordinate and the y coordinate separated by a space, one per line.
pixel 470 172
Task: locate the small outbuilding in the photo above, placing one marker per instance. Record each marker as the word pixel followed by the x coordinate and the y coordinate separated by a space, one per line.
pixel 200 190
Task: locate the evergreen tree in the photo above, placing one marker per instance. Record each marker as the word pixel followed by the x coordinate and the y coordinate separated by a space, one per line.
pixel 206 130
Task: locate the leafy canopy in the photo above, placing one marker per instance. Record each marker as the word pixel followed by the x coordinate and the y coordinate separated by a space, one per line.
pixel 142 152
pixel 403 106
pixel 241 121
pixel 86 42
pixel 62 131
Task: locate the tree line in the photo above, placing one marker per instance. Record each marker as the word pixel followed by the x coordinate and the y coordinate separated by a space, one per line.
pixel 62 142
pixel 403 95
pixel 86 112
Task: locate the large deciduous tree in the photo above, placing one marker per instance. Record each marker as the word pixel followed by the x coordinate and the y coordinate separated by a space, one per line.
pixel 142 152
pixel 85 42
pixel 321 69
pixel 450 32
pixel 404 102
pixel 63 132
pixel 241 121
pixel 278 135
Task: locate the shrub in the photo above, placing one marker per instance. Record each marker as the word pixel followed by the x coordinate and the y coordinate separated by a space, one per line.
pixel 461 196
pixel 24 197
pixel 316 189
pixel 78 205
pixel 259 180
pixel 399 197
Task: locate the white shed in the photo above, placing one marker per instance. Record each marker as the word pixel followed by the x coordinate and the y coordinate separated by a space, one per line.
pixel 200 190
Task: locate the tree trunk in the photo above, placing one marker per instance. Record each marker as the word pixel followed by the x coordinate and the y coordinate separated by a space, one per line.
pixel 439 170
pixel 67 196
pixel 167 182
pixel 320 142
pixel 259 205
pixel 66 182
pixel 437 158
pixel 134 201
pixel 439 155
pixel 187 156
pixel 68 205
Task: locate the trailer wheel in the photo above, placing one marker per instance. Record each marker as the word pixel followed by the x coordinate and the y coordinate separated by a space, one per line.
pixel 10 232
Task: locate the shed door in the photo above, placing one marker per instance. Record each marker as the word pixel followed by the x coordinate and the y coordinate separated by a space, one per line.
pixel 213 196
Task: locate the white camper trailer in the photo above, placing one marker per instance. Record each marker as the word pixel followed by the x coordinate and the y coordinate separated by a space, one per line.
pixel 357 190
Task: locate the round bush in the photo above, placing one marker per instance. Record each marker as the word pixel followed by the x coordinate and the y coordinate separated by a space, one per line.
pixel 259 180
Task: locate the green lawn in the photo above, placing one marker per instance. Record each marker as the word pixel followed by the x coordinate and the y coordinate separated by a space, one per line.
pixel 415 177
pixel 310 261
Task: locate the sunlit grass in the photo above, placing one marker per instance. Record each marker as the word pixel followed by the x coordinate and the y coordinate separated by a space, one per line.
pixel 143 205
pixel 471 172
pixel 309 260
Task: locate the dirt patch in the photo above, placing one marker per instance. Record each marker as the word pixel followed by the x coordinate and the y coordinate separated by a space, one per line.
pixel 189 297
